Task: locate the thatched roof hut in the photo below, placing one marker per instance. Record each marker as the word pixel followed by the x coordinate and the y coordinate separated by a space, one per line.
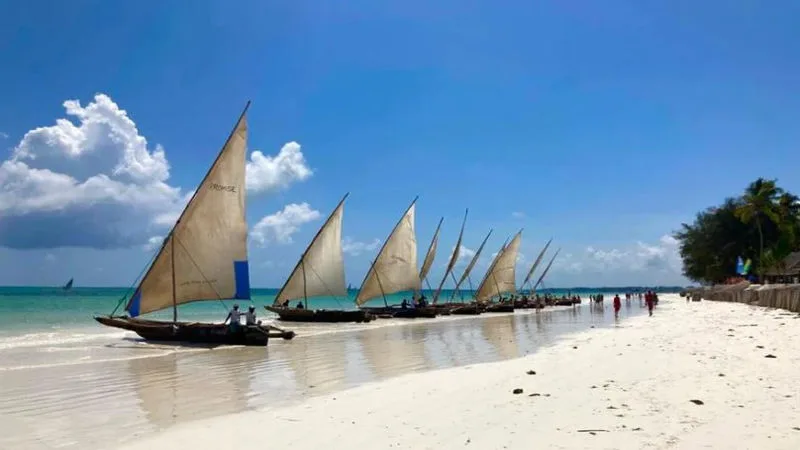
pixel 788 271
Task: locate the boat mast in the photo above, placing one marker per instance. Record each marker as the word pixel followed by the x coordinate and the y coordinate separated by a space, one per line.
pixel 453 258
pixel 471 264
pixel 424 276
pixel 174 284
pixel 535 265
pixel 545 270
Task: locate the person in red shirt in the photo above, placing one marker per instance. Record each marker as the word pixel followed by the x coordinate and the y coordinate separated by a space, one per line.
pixel 617 306
pixel 648 298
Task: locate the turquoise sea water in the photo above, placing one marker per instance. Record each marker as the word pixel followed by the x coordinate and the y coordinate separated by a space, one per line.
pixel 35 309
pixel 64 379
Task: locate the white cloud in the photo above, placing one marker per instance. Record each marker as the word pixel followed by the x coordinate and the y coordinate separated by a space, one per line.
pixel 464 255
pixel 518 215
pixel 153 242
pixel 3 135
pixel 269 174
pixel 50 257
pixel 356 248
pixel 280 227
pixel 638 261
pixel 94 178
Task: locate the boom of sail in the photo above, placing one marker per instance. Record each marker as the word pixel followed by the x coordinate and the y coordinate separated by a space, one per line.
pixel 395 267
pixel 545 270
pixel 471 264
pixel 536 263
pixel 431 255
pixel 501 276
pixel 204 256
pixel 453 259
pixel 320 271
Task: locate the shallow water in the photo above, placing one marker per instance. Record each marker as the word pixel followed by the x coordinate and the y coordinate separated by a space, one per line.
pixel 111 389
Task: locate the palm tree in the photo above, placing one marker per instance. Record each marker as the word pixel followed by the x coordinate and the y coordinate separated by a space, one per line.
pixel 759 203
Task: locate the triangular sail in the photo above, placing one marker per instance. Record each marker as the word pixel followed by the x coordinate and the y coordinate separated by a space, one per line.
pixel 471 264
pixel 501 276
pixel 545 270
pixel 68 286
pixel 431 255
pixel 395 267
pixel 204 257
pixel 453 259
pixel 536 263
pixel 320 270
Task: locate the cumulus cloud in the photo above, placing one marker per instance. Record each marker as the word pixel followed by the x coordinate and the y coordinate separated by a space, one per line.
pixel 269 174
pixel 356 248
pixel 280 227
pixel 153 242
pixel 96 180
pixel 662 256
pixel 464 255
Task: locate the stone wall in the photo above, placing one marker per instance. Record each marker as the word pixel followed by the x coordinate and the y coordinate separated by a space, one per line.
pixel 783 296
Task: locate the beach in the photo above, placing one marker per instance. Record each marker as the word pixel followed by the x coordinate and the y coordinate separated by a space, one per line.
pixel 695 375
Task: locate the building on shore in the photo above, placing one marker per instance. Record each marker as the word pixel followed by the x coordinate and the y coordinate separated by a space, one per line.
pixel 788 271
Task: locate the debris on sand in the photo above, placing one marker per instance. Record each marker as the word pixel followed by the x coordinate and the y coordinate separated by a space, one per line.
pixel 517 391
pixel 697 402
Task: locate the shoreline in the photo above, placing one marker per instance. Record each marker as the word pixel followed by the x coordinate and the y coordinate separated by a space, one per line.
pixel 634 382
pixel 148 388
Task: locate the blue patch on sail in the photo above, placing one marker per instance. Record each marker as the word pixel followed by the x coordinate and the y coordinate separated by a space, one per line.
pixel 241 274
pixel 133 305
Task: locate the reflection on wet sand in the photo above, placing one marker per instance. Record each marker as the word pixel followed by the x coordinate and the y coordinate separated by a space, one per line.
pixel 152 387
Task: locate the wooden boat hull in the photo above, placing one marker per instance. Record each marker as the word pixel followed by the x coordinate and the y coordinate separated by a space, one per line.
pixel 320 315
pixel 427 312
pixel 195 332
pixel 499 308
pixel 466 310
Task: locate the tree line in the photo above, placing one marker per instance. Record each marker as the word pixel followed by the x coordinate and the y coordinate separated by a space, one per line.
pixel 762 224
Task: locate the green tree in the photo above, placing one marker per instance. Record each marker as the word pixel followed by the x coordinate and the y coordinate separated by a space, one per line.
pixel 758 205
pixel 763 224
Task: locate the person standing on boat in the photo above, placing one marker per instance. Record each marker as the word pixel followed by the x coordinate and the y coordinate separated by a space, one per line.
pixel 235 318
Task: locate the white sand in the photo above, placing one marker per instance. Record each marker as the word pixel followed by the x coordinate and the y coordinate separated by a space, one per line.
pixel 635 381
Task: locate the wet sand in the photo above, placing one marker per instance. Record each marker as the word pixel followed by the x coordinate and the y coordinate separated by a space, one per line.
pixel 120 389
pixel 696 375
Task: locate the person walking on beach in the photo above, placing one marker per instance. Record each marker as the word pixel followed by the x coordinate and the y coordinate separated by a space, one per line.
pixel 617 306
pixel 648 298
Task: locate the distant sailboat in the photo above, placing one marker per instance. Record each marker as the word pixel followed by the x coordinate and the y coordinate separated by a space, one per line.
pixel 446 309
pixel 528 302
pixel 319 272
pixel 472 308
pixel 203 258
pixel 68 286
pixel 394 270
pixel 501 277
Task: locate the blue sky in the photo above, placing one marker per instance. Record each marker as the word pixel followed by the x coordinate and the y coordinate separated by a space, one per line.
pixel 601 124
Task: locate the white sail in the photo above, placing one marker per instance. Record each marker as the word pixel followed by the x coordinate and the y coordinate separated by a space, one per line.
pixel 501 276
pixel 545 270
pixel 536 263
pixel 320 270
pixel 395 267
pixel 431 255
pixel 471 264
pixel 205 255
pixel 453 259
